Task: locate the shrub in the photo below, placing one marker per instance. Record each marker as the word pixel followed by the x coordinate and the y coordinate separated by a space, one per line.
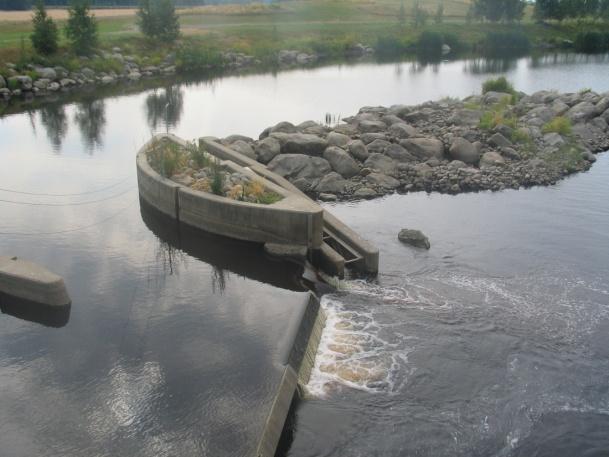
pixel 591 42
pixel 498 85
pixel 419 15
pixel 217 180
pixel 167 157
pixel 192 57
pixel 81 28
pixel 388 46
pixel 559 124
pixel 157 19
pixel 199 157
pixel 45 36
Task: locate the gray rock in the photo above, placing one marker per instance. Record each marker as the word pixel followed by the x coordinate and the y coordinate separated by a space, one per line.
pixel 232 138
pixel 582 112
pixel 414 238
pixel 544 113
pixel 378 146
pixel 600 123
pixel 2 82
pixel 23 82
pixel 134 75
pixel 341 161
pixel 382 180
pixel 306 125
pixel 466 117
pixel 402 130
pixel 423 169
pixel 368 138
pixel 510 153
pixel 553 139
pixel 67 82
pixel 47 73
pixel 300 143
pixel 337 139
pixel 358 149
pixel 399 154
pixel 53 87
pixel 243 148
pixel 382 164
pixel 505 130
pixel 284 127
pixel 332 183
pixel 42 83
pixel 605 116
pixel 587 155
pixel 365 192
pixel 457 164
pixel 293 166
pixel 498 140
pixel 424 148
pixel 464 151
pixel 602 105
pixel 346 129
pixel 107 79
pixel 371 126
pixel 267 149
pixel 492 98
pixel 559 107
pixel 491 159
pixel 391 119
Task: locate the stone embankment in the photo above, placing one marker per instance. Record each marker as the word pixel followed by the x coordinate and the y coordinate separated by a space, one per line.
pixel 41 81
pixel 488 142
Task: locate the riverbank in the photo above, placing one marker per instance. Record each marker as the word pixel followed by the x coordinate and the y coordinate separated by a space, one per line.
pixel 489 142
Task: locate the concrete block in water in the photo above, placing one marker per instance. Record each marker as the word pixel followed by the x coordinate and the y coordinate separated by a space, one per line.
pixel 29 281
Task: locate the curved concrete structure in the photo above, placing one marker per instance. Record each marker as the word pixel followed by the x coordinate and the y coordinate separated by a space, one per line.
pixel 292 220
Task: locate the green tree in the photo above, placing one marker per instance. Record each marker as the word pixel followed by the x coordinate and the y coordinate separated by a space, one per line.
pixel 402 13
pixel 158 19
pixel 513 10
pixel 419 15
pixel 604 9
pixel 439 17
pixel 45 36
pixel 81 28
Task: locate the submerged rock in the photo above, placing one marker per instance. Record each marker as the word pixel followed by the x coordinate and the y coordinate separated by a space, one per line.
pixel 414 238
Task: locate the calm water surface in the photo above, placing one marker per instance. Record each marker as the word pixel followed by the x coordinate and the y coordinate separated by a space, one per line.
pixel 492 343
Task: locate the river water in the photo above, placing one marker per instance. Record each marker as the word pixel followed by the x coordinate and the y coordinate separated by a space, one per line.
pixel 493 343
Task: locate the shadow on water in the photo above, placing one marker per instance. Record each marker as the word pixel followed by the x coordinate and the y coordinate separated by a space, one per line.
pixel 49 316
pixel 90 117
pixel 225 254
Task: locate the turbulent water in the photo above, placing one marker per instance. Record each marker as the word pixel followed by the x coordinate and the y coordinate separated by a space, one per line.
pixel 493 343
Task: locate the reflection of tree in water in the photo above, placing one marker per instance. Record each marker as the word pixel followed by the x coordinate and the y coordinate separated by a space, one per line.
pixel 164 108
pixel 91 119
pixel 484 65
pixel 218 279
pixel 54 120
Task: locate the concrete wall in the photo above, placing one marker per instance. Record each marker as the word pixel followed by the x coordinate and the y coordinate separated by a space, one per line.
pixel 292 220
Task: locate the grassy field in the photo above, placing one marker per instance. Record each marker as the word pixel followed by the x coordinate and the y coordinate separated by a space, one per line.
pixel 260 30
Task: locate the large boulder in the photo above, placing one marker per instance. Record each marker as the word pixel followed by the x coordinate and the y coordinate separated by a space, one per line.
pixel 368 138
pixel 341 161
pixel 402 130
pixel 333 183
pixel 398 153
pixel 424 148
pixel 414 238
pixel 492 98
pixel 499 141
pixel 466 117
pixel 47 73
pixel 582 112
pixel 337 139
pixel 382 164
pixel 463 150
pixel 358 149
pixel 300 143
pixel 232 138
pixel 22 82
pixel 371 126
pixel 491 159
pixel 243 148
pixel 267 149
pixel 382 180
pixel 294 166
pixel 378 146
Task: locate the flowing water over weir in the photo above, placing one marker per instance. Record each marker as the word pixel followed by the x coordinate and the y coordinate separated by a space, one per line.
pixel 493 343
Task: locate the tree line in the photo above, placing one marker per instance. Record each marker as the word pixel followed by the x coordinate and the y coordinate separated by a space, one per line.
pixel 568 9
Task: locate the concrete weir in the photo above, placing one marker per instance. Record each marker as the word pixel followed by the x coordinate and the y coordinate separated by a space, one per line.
pixel 295 220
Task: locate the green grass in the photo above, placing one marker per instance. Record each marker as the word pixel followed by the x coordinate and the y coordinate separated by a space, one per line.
pixel 498 85
pixel 559 124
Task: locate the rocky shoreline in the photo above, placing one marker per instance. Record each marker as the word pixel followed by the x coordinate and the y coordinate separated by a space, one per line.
pixel 492 142
pixel 41 81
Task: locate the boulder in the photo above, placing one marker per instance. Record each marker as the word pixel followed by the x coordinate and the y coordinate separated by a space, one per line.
pixel 42 83
pixel 243 148
pixel 466 117
pixel 498 140
pixel 382 164
pixel 293 166
pixel 346 129
pixel 88 73
pixel 602 105
pixel 300 143
pixel 232 138
pixel 267 149
pixel 23 82
pixel 492 98
pixel 510 153
pixel 553 139
pixel 382 180
pixel 391 119
pixel 107 79
pixel 414 238
pixel 402 130
pixel 358 149
pixel 47 73
pixel 306 125
pixel 371 126
pixel 333 183
pixel 423 169
pixel 368 138
pixel 464 151
pixel 341 161
pixel 582 112
pixel 284 127
pixel 399 154
pixel 337 139
pixel 505 130
pixel 605 115
pixel 326 197
pixel 587 155
pixel 546 114
pixel 53 87
pixel 378 146
pixel 133 76
pixel 424 148
pixel 559 107
pixel 491 159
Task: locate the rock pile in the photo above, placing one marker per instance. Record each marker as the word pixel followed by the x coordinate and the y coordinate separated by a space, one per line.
pixel 444 146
